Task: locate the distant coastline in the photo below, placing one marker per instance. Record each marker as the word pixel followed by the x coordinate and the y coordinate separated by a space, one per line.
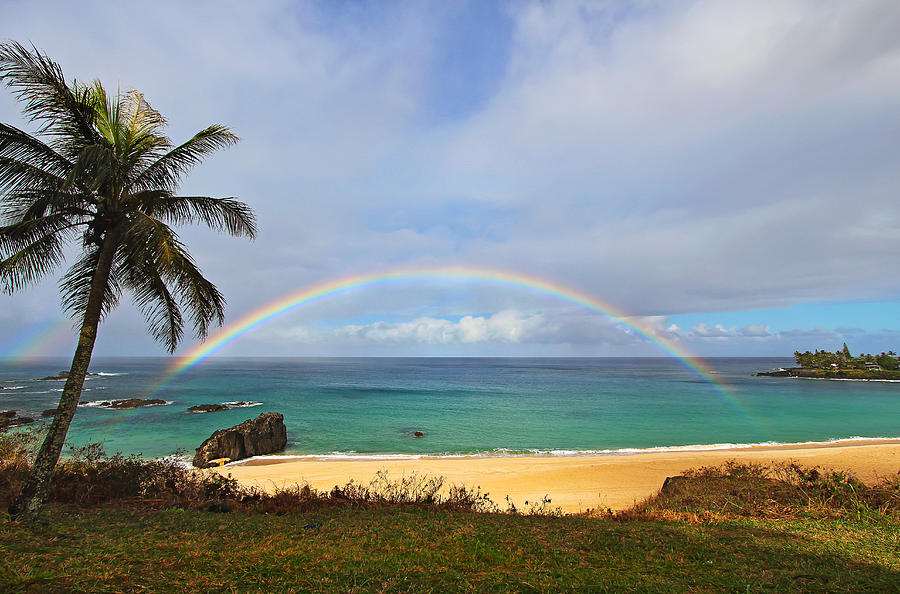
pixel 834 374
pixel 841 365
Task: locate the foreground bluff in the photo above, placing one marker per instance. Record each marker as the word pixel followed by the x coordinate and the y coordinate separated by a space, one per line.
pixel 263 435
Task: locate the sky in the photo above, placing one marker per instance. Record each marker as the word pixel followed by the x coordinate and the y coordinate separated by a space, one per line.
pixel 726 173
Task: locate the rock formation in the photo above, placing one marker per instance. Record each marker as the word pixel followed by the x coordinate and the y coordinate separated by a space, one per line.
pixel 9 419
pixel 204 408
pixel 62 375
pixel 674 485
pixel 132 403
pixel 265 434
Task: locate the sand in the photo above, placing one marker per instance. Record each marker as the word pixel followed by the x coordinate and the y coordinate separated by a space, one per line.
pixel 573 483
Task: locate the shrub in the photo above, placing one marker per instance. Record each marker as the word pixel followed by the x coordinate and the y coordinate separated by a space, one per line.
pixel 778 490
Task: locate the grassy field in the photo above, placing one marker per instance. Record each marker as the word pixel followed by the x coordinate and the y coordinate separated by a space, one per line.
pixel 124 524
pixel 403 548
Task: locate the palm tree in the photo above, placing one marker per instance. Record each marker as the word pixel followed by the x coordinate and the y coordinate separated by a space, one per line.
pixel 103 175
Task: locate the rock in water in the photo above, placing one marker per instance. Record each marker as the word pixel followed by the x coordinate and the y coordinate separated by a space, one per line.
pixel 203 408
pixel 50 412
pixel 8 420
pixel 133 403
pixel 265 434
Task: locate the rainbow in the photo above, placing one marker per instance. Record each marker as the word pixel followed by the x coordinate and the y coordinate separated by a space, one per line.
pixel 312 294
pixel 40 339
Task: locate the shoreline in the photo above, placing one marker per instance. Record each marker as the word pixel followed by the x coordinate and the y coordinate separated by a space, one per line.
pixel 572 483
pixel 271 459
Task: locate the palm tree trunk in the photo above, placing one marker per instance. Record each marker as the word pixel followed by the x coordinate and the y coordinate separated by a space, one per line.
pixel 31 498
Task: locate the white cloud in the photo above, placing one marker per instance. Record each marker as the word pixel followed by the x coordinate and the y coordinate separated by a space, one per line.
pixel 716 331
pixel 664 157
pixel 755 330
pixel 502 327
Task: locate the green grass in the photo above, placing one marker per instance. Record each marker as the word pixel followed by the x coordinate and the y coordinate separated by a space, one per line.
pixel 414 548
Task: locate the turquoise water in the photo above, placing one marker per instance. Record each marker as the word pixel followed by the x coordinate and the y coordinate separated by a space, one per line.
pixel 373 406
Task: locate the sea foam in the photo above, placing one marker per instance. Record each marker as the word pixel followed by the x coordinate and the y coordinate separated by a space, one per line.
pixel 507 453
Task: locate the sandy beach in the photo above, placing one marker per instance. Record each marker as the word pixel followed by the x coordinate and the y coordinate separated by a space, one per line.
pixel 573 483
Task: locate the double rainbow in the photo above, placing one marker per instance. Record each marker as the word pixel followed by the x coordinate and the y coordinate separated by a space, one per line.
pixel 38 340
pixel 319 292
pixel 312 294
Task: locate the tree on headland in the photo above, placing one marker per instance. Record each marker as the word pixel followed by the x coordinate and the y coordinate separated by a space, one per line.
pixel 843 360
pixel 845 352
pixel 101 172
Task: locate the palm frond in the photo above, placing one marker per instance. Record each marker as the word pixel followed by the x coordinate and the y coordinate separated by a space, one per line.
pixel 166 172
pixel 21 153
pixel 221 214
pixel 24 206
pixel 107 167
pixel 97 168
pixel 31 262
pixel 21 234
pixel 75 285
pixel 153 298
pixel 36 80
pixel 152 241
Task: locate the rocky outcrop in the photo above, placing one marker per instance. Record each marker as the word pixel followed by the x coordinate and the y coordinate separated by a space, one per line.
pixel 19 421
pixel 674 485
pixel 9 419
pixel 61 376
pixel 265 434
pixel 205 408
pixel 132 403
pixel 50 412
pixel 792 372
pixel 851 374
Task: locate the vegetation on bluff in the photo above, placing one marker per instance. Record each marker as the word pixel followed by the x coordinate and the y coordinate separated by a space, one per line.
pixel 842 359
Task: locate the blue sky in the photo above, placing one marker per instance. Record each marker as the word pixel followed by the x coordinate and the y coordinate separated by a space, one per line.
pixel 727 173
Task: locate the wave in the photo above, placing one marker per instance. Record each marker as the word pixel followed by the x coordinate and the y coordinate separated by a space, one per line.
pixel 850 379
pixel 97 404
pixel 349 390
pixel 178 460
pixel 510 453
pixel 108 374
pixel 12 387
pixel 242 404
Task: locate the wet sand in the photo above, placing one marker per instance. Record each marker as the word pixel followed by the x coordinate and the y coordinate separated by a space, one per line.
pixel 573 483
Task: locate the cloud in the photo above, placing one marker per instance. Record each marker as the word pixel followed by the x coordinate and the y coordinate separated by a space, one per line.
pixel 817 332
pixel 502 327
pixel 705 331
pixel 663 157
pixel 755 330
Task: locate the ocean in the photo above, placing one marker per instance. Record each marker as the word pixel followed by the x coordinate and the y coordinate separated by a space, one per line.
pixel 371 407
